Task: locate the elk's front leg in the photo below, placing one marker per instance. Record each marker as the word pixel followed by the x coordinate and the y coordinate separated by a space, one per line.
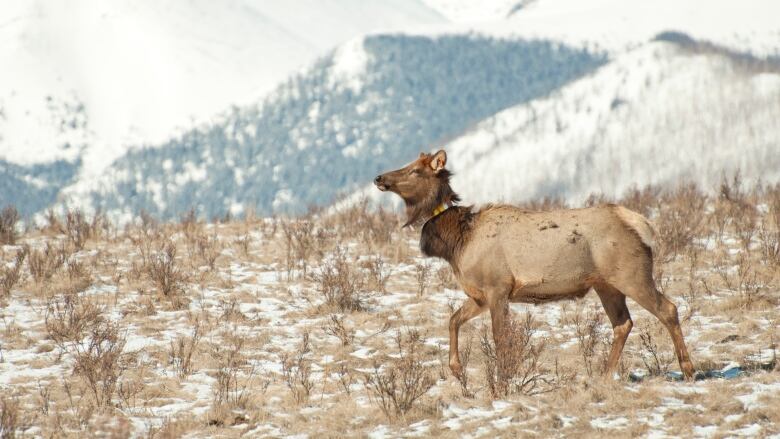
pixel 468 311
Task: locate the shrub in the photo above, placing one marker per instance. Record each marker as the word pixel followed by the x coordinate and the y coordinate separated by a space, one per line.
pixel 513 365
pixel 679 220
pixel 182 350
pixel 445 278
pixel 422 273
pixel 296 369
pixel 656 362
pixel 44 263
pixel 465 358
pixel 748 282
pixel 9 216
pixel 53 224
pixel 79 276
pixel 10 276
pixel 9 418
pixel 99 361
pixel 403 379
pixel 77 228
pixel 589 339
pixel 299 242
pixel 164 271
pixel 335 326
pixel 340 283
pixel 68 318
pixel 769 228
pixel 242 243
pixel 378 273
pixel 209 249
pixel 642 201
pixel 229 389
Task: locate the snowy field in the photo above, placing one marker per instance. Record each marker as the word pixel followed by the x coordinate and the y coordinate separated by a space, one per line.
pixel 303 328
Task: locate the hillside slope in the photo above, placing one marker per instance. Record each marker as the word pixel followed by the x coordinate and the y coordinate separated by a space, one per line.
pixel 620 25
pixel 83 81
pixel 658 115
pixel 374 101
pixel 378 99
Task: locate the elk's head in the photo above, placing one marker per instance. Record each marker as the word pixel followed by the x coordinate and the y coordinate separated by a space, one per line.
pixel 424 185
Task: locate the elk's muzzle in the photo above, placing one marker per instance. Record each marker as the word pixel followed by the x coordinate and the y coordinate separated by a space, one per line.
pixel 380 183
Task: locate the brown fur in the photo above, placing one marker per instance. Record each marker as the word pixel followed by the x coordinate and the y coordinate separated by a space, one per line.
pixel 445 235
pixel 503 254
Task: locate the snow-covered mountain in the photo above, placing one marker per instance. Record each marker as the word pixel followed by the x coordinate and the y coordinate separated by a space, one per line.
pixel 471 11
pixel 544 97
pixel 83 80
pixel 620 25
pixel 373 101
pixel 660 114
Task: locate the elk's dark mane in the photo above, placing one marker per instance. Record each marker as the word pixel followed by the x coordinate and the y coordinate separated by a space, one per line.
pixel 445 235
pixel 420 210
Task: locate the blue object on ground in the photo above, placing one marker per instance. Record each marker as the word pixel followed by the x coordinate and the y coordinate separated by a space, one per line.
pixel 730 373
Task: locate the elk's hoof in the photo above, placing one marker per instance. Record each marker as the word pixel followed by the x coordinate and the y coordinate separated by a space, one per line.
pixel 456 369
pixel 688 370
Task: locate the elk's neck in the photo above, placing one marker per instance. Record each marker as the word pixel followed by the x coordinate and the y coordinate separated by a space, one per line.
pixel 445 235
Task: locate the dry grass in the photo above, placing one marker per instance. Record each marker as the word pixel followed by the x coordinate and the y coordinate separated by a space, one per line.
pixel 296 369
pixel 336 327
pixel 182 352
pixel 331 325
pixel 9 216
pixel 513 365
pixel 398 382
pixel 340 283
pixel 100 361
pixel 231 389
pixel 163 269
pixel 45 263
pixel 10 421
pixel 10 276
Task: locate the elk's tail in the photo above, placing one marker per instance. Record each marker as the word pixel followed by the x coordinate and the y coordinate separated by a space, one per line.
pixel 639 224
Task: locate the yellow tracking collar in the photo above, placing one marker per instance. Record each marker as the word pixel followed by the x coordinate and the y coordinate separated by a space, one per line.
pixel 439 209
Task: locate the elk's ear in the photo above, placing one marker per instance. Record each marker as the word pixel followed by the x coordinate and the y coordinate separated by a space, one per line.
pixel 439 160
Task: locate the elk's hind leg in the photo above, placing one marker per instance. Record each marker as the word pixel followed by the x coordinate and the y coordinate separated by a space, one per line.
pixel 614 303
pixel 645 294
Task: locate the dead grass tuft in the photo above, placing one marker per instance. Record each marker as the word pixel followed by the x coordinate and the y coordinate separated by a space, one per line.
pixel 299 240
pixel 422 273
pixel 656 362
pixel 395 385
pixel 79 230
pixel 10 276
pixel 44 263
pixel 296 369
pixel 378 273
pixel 680 220
pixel 335 326
pixel 514 364
pixel 100 361
pixel 69 317
pixel 181 352
pixel 10 417
pixel 9 216
pixel 591 342
pixel 164 271
pixel 340 283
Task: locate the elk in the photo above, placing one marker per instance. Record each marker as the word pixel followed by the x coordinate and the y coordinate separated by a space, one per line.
pixel 501 254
